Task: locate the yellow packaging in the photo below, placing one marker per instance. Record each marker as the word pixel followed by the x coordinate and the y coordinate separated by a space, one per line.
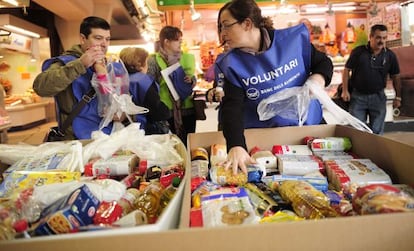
pixel 18 181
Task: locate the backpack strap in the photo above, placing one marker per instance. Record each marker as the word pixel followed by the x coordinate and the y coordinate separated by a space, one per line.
pixel 86 98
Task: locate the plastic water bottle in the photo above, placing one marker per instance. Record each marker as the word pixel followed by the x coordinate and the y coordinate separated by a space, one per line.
pixel 169 192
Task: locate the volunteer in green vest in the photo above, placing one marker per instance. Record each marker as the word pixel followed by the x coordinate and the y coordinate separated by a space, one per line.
pixel 183 120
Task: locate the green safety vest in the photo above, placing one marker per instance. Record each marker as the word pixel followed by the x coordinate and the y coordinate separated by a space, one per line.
pixel 187 61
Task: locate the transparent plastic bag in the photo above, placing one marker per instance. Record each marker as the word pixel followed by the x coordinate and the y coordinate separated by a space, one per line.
pixel 113 95
pixel 290 103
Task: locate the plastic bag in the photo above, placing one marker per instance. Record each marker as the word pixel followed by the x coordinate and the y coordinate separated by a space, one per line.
pixel 342 116
pixel 113 95
pixel 160 148
pixel 291 103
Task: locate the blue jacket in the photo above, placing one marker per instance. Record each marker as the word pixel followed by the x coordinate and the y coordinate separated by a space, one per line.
pixel 139 83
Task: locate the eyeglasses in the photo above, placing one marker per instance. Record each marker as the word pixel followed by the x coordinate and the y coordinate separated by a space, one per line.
pixel 225 27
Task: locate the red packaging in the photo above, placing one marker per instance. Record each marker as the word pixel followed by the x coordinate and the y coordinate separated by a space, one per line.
pixel 107 213
pixel 196 218
pixel 196 182
pixel 254 150
pixel 167 175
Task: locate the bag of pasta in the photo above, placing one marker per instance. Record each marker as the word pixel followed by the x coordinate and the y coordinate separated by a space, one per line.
pixel 307 201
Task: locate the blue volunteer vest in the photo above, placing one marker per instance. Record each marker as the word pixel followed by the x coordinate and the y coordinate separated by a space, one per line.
pixel 284 65
pixel 88 119
pixel 139 83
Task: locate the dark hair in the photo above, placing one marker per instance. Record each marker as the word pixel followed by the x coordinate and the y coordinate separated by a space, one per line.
pixel 242 9
pixel 170 33
pixel 376 27
pixel 93 22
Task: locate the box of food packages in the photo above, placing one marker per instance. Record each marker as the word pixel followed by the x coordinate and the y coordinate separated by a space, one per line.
pixel 391 231
pixel 369 232
pixel 74 213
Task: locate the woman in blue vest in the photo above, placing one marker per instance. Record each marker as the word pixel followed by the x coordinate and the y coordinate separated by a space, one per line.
pixel 145 91
pixel 262 61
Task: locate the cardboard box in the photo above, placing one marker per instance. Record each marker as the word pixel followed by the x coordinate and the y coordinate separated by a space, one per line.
pixel 169 219
pixel 374 232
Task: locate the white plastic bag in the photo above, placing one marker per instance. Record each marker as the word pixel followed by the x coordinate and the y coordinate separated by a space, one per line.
pixel 290 103
pixel 342 116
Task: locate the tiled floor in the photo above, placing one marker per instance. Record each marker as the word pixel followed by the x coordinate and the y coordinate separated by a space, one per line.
pixel 36 134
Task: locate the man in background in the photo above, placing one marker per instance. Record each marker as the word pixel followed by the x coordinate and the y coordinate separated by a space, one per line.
pixel 370 65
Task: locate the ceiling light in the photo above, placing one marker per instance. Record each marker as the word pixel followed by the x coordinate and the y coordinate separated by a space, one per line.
pixel 322 9
pixel 12 2
pixel 19 30
pixel 16 25
pixel 194 14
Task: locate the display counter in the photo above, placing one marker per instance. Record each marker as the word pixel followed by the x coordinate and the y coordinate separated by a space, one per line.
pixel 24 115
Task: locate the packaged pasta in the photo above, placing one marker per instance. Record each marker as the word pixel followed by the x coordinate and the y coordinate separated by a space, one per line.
pixel 307 201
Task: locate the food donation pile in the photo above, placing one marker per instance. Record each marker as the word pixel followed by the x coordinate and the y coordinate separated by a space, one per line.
pixel 318 179
pixel 125 179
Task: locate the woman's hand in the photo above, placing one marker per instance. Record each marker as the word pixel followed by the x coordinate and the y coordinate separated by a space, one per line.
pixel 190 80
pixel 238 158
pixel 215 94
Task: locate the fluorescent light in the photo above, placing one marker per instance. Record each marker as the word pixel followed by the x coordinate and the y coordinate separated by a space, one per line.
pixel 325 9
pixel 12 2
pixel 21 31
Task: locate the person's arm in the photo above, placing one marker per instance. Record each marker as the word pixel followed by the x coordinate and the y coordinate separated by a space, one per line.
pixel 57 78
pixel 232 119
pixel 345 95
pixel 321 67
pixel 232 116
pixel 157 109
pixel 396 81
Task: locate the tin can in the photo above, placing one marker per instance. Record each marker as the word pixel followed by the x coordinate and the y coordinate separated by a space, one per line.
pixel 199 153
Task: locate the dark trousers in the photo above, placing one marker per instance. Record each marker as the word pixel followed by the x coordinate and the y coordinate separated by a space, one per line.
pixel 189 126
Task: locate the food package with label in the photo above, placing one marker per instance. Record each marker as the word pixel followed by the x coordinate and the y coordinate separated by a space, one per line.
pixel 291 149
pixel 382 198
pixel 267 159
pixel 298 164
pixel 334 155
pixel 18 181
pixel 116 165
pixel 227 207
pixel 68 213
pixel 330 144
pixel 348 175
pixel 307 201
pixel 316 179
pixel 218 154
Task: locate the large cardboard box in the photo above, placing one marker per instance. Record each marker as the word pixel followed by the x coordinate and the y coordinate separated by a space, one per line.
pixel 375 232
pixel 169 219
